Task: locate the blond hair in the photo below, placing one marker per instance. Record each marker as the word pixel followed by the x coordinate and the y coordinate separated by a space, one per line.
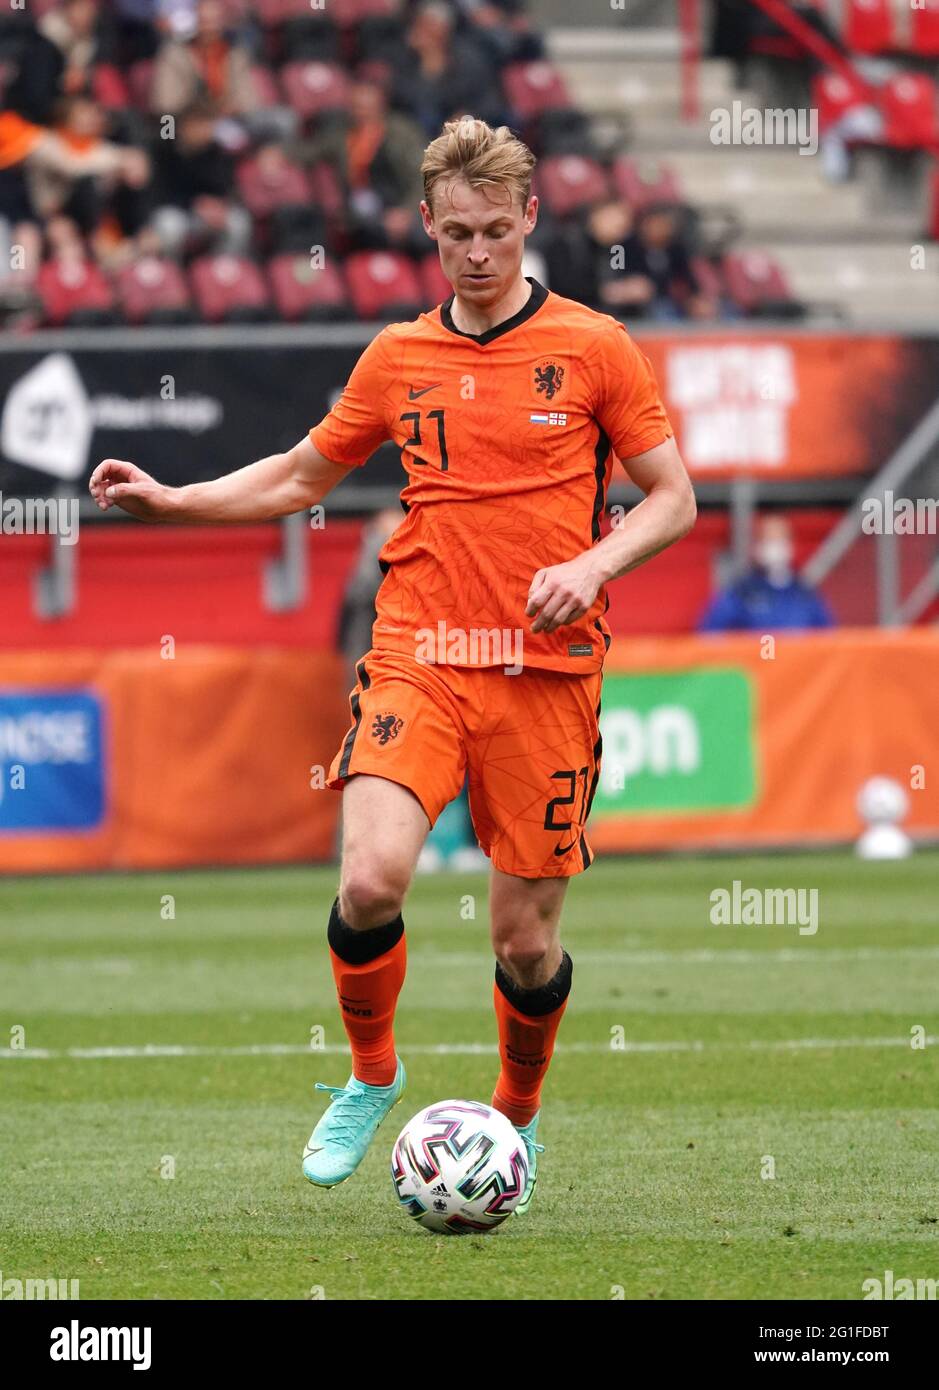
pixel 470 149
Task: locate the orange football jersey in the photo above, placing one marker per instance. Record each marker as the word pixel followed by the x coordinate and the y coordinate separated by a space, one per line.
pixel 508 439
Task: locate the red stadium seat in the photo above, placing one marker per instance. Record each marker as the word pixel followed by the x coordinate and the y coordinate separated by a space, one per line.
pixel 755 282
pixel 908 103
pixel 383 285
pixel 75 293
pixel 641 182
pixel 313 88
pixel 924 29
pixel 345 14
pixel 109 88
pixel 302 292
pixel 868 26
pixel 531 88
pixel 833 95
pixel 269 13
pixel 932 215
pixel 229 289
pixel 434 283
pixel 263 187
pixel 568 182
pixel 154 290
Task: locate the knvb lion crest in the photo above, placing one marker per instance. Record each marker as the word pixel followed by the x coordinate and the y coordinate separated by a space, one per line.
pixel 549 378
pixel 385 727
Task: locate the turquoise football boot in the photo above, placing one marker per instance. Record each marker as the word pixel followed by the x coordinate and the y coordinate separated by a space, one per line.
pixel 347 1126
pixel 533 1149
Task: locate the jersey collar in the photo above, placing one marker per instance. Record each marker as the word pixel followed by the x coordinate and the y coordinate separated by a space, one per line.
pixel 531 306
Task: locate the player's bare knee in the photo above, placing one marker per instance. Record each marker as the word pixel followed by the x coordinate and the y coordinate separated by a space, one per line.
pixel 371 894
pixel 523 958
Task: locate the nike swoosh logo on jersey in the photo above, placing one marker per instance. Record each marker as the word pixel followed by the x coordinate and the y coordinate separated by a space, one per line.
pixel 413 395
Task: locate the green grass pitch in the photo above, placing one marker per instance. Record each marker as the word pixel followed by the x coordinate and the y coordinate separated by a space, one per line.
pixel 740 1045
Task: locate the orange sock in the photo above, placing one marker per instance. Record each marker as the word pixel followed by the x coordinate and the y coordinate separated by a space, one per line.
pixel 369 968
pixel 528 1023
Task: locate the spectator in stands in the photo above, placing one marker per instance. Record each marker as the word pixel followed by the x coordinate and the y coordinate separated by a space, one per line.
pixel 39 169
pixel 206 64
pixel 657 278
pixel 74 30
pixel 502 30
pixel 376 155
pixel 52 59
pixel 440 75
pixel 115 190
pixel 580 255
pixel 769 596
pixel 135 28
pixel 195 179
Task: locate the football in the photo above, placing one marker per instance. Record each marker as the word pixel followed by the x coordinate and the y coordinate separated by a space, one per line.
pixel 459 1167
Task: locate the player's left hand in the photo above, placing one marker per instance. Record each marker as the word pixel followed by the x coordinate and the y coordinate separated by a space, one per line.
pixel 562 593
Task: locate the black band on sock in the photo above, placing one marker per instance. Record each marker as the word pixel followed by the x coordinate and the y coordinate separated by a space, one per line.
pixel 544 999
pixel 360 947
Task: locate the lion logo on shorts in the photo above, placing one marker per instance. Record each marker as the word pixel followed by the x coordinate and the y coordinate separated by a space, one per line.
pixel 385 727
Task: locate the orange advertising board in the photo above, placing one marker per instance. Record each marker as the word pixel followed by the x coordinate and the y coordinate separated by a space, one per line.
pixel 790 405
pixel 126 761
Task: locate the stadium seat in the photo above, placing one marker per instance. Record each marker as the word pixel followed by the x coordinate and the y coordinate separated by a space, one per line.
pixel 908 103
pixel 153 290
pixel 264 187
pixel 756 283
pixel 383 285
pixel 924 29
pixel 313 88
pixel 569 182
pixel 868 26
pixel 270 14
pixel 229 289
pixel 640 182
pixel 436 286
pixel 932 213
pixel 304 293
pixel 532 88
pixel 75 293
pixel 832 95
pixel 109 87
pixel 279 198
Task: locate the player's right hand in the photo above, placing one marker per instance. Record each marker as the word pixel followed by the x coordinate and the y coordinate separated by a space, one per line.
pixel 117 483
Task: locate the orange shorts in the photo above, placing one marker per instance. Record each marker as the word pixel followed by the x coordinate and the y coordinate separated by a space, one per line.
pixel 530 743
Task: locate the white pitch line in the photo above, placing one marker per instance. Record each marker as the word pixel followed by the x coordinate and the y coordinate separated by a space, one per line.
pixel 161 1050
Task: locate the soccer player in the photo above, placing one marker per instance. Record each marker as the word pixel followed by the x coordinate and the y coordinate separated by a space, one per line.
pixel 510 405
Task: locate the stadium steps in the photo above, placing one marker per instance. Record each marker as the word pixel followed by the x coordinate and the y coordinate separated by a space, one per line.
pixel 875 280
pixel 837 243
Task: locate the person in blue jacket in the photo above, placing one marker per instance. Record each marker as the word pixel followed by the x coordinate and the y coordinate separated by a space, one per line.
pixel 770 596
